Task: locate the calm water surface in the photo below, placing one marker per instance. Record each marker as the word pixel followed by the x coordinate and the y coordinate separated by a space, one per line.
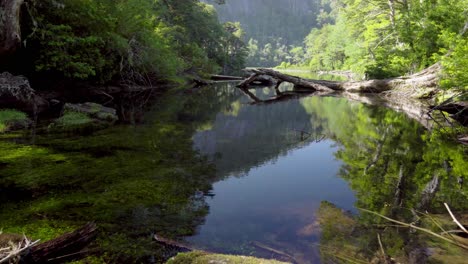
pixel 273 180
pixel 213 169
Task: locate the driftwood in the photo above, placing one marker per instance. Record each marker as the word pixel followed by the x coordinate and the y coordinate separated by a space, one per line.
pixel 426 78
pixel 62 249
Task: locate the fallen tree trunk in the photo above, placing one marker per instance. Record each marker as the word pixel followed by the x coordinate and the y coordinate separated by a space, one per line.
pixel 423 79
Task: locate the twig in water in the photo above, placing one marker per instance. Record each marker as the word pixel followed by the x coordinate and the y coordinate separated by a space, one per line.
pixel 384 256
pixel 455 219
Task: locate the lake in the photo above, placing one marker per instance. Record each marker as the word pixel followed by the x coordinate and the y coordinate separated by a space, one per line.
pixel 219 171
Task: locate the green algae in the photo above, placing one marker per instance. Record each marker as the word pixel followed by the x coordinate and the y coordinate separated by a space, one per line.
pixel 132 181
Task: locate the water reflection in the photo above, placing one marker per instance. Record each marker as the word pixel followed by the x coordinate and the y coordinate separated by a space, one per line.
pixel 269 166
pixel 386 158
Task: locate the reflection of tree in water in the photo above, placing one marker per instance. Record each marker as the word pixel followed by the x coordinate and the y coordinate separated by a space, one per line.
pixel 255 134
pixel 393 165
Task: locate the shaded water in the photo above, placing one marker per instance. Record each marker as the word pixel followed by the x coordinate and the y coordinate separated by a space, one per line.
pixel 260 174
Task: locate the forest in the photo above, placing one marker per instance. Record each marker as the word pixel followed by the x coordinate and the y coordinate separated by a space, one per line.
pixel 378 39
pixel 102 41
pixel 242 131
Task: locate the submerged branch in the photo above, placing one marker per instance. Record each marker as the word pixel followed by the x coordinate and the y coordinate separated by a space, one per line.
pixel 427 231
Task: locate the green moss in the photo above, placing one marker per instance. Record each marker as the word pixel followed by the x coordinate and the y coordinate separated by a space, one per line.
pixel 73 119
pixel 130 180
pixel 9 116
pixel 198 257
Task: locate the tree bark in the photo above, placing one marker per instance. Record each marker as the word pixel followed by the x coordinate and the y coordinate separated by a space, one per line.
pixel 64 248
pixel 10 29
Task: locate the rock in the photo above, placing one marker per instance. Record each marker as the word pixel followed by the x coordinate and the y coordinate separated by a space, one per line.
pixel 94 111
pixel 199 257
pixel 85 117
pixel 15 92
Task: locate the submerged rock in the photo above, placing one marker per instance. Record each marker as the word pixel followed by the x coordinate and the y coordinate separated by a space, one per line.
pixel 94 111
pixel 87 116
pixel 200 257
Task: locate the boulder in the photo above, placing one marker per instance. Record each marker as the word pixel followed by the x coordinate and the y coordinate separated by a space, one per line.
pixel 15 92
pixel 86 117
pixel 94 111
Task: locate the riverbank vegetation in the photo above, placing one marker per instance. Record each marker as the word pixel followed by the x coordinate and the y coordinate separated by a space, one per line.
pixel 134 41
pixel 391 38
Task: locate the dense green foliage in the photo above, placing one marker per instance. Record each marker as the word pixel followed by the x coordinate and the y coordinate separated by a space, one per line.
pixel 390 38
pixel 133 40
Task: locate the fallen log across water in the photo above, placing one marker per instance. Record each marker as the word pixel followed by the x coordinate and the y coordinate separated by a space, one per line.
pixel 424 79
pixel 400 93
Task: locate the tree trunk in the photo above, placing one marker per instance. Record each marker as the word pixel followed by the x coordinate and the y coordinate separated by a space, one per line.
pixel 423 79
pixel 64 248
pixel 10 29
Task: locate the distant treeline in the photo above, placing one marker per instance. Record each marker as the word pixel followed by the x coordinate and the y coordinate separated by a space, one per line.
pixel 274 29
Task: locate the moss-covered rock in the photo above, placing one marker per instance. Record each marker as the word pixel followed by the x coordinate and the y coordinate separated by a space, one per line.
pixel 199 257
pixel 94 111
pixel 13 120
pixel 84 117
